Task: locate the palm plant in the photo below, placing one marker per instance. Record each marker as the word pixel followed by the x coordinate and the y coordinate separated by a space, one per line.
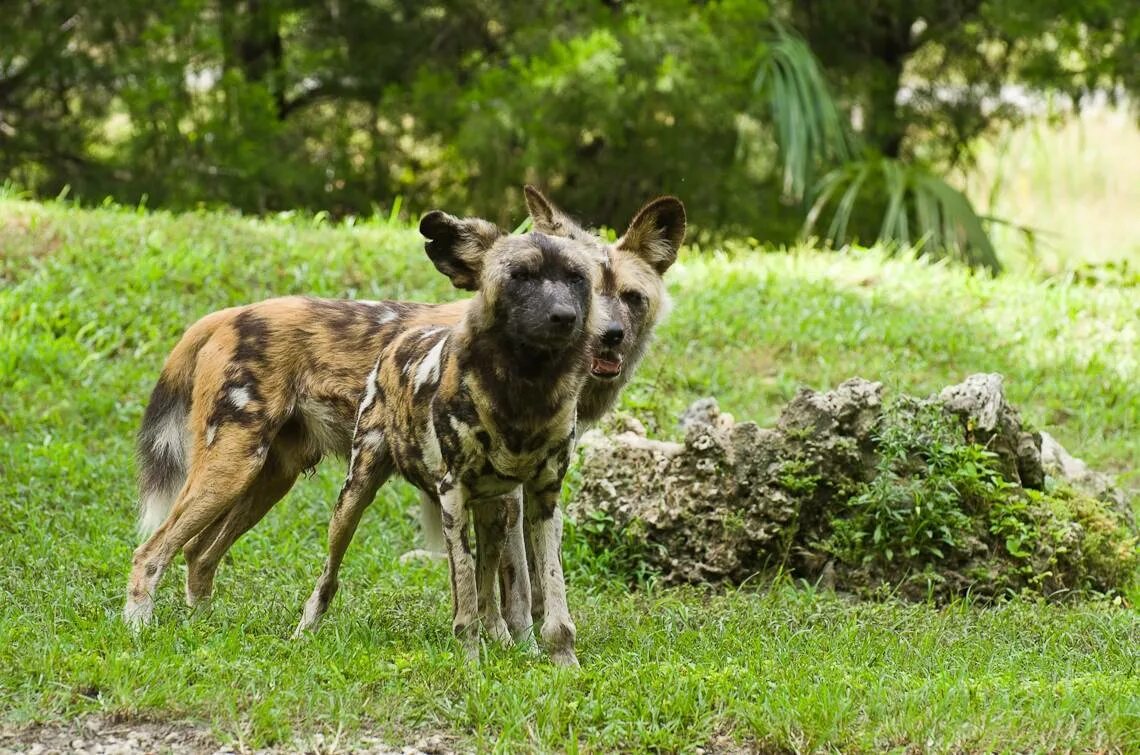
pixel 810 128
pixel 921 210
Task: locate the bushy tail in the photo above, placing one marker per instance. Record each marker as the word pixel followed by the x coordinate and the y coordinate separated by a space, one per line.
pixel 163 442
pixel 431 524
pixel 161 451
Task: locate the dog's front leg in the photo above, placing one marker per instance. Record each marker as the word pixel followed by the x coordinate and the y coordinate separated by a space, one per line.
pixel 464 598
pixel 537 610
pixel 490 536
pixel 370 466
pixel 545 524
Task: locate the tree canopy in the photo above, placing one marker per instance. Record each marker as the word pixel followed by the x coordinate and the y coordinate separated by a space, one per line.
pixel 343 105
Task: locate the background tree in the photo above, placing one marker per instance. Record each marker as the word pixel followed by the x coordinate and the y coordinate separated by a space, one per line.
pixel 341 105
pixel 928 77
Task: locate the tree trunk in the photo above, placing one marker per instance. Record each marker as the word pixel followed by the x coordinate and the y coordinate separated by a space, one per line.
pixel 883 127
pixel 251 38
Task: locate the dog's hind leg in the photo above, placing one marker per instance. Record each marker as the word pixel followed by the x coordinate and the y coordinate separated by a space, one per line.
pixel 370 466
pixel 431 529
pixel 198 586
pixel 289 453
pixel 223 465
pixel 205 552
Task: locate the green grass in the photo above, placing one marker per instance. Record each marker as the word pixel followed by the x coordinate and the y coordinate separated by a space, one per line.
pixel 91 301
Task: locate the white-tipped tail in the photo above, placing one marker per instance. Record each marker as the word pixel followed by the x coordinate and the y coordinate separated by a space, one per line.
pixel 153 508
pixel 431 524
pixel 163 446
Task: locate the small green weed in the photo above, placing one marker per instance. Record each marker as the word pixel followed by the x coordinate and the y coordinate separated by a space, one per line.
pixel 928 487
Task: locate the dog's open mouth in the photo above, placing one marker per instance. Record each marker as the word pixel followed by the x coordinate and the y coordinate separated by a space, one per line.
pixel 606 367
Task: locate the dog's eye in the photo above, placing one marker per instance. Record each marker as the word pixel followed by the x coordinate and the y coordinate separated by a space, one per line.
pixel 634 299
pixel 575 277
pixel 521 275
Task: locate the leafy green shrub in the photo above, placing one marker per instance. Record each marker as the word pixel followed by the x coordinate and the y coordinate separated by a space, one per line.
pixel 626 555
pixel 939 516
pixel 928 485
pixel 1063 541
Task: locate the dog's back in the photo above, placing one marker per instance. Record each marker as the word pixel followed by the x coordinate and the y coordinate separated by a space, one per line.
pixel 294 366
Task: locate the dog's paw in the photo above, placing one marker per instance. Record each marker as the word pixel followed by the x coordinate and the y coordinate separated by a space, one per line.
pixel 565 658
pixel 422 555
pixel 138 614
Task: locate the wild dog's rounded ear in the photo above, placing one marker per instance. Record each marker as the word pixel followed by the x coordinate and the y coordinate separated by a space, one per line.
pixel 656 232
pixel 456 246
pixel 547 218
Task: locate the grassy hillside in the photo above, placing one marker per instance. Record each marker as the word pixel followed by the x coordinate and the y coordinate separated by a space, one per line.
pixel 91 302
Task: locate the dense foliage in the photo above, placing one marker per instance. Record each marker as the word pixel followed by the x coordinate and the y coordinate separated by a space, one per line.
pixel 345 104
pixel 940 516
pixel 928 76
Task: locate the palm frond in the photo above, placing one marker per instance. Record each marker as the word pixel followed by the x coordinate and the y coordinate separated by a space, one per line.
pixel 919 205
pixel 810 129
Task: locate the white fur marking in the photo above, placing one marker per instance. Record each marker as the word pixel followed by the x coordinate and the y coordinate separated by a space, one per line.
pixel 369 390
pixel 386 315
pixel 239 396
pixel 351 465
pixel 429 367
pixel 433 457
pixel 373 439
pixel 211 432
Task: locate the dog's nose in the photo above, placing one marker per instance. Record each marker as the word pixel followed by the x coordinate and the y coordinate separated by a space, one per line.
pixel 613 334
pixel 563 316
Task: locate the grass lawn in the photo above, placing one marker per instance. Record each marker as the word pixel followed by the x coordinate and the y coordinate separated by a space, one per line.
pixel 91 302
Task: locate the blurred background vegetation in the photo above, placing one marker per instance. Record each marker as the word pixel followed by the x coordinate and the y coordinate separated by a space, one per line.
pixel 830 118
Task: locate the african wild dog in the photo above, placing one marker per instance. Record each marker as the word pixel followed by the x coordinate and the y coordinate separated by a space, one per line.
pixel 470 412
pixel 284 378
pixel 633 299
pixel 248 399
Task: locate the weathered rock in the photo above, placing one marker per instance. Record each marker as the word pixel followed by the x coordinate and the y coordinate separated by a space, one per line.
pixel 736 499
pixel 1059 463
pixel 989 421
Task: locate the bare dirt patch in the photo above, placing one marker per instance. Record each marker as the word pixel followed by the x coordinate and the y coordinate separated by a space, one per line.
pixel 99 735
